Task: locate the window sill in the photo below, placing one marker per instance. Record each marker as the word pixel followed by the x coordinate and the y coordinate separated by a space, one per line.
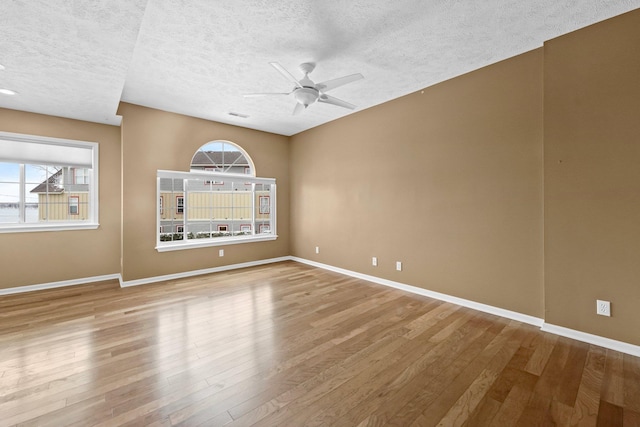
pixel 220 241
pixel 27 228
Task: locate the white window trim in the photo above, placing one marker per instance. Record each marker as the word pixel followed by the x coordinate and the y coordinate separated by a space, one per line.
pixel 91 224
pixel 219 241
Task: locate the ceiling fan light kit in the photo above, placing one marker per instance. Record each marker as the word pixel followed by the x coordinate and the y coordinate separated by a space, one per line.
pixel 306 95
pixel 306 92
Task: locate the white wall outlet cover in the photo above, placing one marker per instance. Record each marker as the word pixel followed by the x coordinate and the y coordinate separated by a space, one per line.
pixel 221 252
pixel 399 265
pixel 317 249
pixel 603 308
pixel 374 261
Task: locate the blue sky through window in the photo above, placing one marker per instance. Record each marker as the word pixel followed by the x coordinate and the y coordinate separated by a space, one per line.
pixel 9 178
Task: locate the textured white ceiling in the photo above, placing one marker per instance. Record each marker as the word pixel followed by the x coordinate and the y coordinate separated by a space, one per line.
pixel 79 58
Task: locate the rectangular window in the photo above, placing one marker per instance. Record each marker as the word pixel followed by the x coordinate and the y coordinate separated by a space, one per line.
pixel 264 205
pixel 47 184
pixel 74 205
pixel 213 215
pixel 179 204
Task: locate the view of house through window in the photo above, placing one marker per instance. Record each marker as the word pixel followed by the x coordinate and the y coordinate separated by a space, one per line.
pixel 45 183
pixel 219 201
pixel 46 192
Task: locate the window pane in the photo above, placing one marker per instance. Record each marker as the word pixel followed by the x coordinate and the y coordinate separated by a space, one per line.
pixel 172 212
pixel 9 172
pixel 42 183
pixel 9 192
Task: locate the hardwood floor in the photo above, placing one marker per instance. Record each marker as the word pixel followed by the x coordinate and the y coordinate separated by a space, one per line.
pixel 291 345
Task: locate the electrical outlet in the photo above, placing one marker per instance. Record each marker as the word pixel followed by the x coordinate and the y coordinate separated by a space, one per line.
pixel 317 249
pixel 221 252
pixel 603 308
pixel 398 265
pixel 374 261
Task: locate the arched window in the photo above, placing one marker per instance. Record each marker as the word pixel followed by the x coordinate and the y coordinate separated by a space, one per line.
pixel 219 201
pixel 222 156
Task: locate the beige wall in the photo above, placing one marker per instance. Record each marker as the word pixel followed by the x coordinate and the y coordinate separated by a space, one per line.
pixel 44 257
pixel 447 180
pixel 152 140
pixel 592 178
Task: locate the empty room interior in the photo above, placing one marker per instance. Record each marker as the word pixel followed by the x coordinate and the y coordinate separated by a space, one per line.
pixel 319 213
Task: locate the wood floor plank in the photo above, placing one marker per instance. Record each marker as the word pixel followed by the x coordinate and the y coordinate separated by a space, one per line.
pixel 609 415
pixel 466 404
pixel 588 396
pixel 551 376
pixel 613 382
pixel 289 344
pixel 543 410
pixel 484 412
pixel 630 418
pixel 541 355
pixel 631 375
pixel 513 406
pixel 572 374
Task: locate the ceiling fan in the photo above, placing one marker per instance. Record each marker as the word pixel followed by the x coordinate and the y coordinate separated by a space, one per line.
pixel 306 92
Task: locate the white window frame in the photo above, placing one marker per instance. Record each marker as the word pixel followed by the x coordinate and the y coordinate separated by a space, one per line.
pixel 92 222
pixel 163 246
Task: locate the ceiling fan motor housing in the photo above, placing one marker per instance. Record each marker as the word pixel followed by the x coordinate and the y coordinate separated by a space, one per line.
pixel 306 95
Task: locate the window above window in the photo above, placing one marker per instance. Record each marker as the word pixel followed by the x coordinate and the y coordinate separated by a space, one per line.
pixel 220 202
pixel 47 184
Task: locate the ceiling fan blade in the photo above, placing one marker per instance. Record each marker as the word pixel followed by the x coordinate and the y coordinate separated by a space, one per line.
pixel 340 81
pixel 327 99
pixel 298 109
pixel 287 75
pixel 249 95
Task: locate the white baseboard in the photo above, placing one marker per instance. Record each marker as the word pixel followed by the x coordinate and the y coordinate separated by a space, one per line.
pixel 124 284
pixel 620 346
pixel 60 284
pixel 524 318
pixel 147 280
